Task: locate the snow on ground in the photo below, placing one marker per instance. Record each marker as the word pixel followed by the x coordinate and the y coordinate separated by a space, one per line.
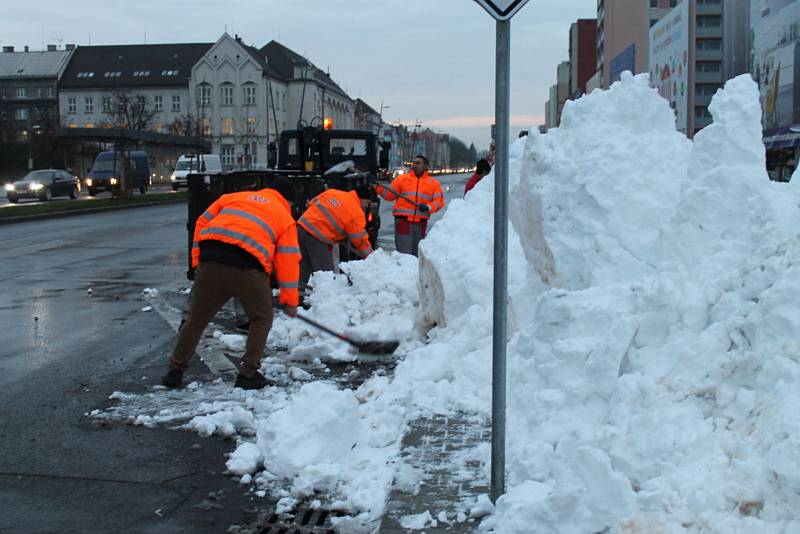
pixel 653 359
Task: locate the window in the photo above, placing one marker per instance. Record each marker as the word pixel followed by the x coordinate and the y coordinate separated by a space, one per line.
pixel 49 92
pixel 709 44
pixel 38 92
pixel 253 152
pixel 653 3
pixel 284 101
pixel 706 89
pixel 249 93
pixel 227 155
pixel 169 72
pixel 176 103
pixel 158 103
pixel 709 66
pixel 204 94
pixel 3 115
pixel 21 114
pixel 22 92
pixel 673 3
pixel 251 125
pixel 227 94
pixel 709 21
pixel 72 105
pixel 88 104
pixel 106 104
pixel 205 126
pixel 89 125
pixel 701 112
pixel 653 22
pixel 158 127
pixel 227 126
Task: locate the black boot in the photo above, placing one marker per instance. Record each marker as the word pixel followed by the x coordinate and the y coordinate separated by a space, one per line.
pixel 257 381
pixel 173 379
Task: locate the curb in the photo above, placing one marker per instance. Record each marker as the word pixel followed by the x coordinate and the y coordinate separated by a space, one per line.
pixel 86 211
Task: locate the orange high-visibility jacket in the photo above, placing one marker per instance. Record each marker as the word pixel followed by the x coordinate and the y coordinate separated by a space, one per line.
pixel 423 190
pixel 261 223
pixel 333 216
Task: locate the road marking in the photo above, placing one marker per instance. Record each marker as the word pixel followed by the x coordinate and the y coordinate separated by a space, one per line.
pixel 211 355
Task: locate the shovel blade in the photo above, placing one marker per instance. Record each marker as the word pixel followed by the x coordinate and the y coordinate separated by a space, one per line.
pixel 378 347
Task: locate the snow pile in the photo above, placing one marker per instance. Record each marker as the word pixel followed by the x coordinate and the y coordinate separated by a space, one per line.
pixel 374 299
pixel 653 364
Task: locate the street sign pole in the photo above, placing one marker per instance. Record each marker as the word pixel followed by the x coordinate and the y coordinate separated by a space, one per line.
pixel 502 11
pixel 502 96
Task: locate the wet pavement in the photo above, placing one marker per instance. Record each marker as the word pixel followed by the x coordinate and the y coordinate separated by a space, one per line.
pixel 73 333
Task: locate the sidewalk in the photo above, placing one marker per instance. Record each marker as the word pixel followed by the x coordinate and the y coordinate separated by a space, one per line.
pixel 441 448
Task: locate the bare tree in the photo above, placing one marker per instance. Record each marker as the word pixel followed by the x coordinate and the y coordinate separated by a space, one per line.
pixel 131 110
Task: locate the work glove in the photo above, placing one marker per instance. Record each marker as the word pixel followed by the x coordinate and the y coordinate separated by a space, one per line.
pixel 424 208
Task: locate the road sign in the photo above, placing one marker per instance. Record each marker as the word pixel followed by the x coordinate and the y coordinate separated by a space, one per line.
pixel 502 9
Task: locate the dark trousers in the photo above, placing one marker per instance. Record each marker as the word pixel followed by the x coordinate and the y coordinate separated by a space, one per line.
pixel 407 235
pixel 214 284
pixel 317 256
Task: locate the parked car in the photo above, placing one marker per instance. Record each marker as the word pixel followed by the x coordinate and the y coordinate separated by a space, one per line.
pixel 107 168
pixel 193 163
pixel 44 185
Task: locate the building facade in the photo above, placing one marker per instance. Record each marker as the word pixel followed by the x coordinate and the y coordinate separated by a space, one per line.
pixel 29 103
pixel 366 118
pixel 238 102
pixel 620 24
pixel 582 55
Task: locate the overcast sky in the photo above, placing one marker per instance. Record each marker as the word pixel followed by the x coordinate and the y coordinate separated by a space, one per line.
pixel 430 61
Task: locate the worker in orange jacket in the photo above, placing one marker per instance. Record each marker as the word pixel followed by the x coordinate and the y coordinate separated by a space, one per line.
pixel 420 196
pixel 240 240
pixel 331 217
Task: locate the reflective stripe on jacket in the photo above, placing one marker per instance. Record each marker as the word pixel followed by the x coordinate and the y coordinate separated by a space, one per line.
pixel 333 216
pixel 261 223
pixel 423 190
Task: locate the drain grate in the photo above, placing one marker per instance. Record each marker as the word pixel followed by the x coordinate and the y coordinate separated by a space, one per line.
pixel 303 522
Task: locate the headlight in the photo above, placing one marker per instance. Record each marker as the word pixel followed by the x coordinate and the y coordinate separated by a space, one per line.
pixel 172 177
pixel 88 182
pixel 9 187
pixel 35 186
pixel 113 181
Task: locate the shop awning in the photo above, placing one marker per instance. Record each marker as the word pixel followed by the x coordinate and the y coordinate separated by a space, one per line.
pixel 786 137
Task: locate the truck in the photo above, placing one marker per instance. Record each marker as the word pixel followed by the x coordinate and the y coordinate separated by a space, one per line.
pixel 314 159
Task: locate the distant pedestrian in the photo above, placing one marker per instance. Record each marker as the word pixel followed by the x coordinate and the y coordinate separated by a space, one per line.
pixel 417 196
pixel 332 216
pixel 239 241
pixel 481 169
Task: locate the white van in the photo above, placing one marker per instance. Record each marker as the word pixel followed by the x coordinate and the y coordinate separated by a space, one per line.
pixel 194 163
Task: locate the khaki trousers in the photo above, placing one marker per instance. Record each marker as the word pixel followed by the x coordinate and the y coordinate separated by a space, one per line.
pixel 214 284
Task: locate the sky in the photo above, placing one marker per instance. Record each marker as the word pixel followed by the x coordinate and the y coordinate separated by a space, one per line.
pixel 428 62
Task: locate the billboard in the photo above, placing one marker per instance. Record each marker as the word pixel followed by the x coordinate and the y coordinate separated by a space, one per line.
pixel 669 61
pixel 625 60
pixel 774 63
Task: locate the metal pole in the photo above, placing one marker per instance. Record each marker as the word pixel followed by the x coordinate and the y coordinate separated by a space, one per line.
pixel 502 96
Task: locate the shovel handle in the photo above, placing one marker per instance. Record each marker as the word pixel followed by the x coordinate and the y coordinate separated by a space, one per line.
pixel 395 193
pixel 325 329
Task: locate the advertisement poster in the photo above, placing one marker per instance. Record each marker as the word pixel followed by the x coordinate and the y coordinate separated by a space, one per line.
pixel 774 28
pixel 669 61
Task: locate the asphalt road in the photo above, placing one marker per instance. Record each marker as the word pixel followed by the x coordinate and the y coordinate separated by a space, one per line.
pixel 64 350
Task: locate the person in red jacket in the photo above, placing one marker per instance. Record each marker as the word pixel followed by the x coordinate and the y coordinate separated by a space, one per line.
pixel 481 169
pixel 417 196
pixel 240 240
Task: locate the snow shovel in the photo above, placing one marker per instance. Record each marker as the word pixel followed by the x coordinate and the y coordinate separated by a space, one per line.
pixel 367 347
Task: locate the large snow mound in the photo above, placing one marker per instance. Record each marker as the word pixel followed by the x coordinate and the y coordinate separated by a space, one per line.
pixel 653 360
